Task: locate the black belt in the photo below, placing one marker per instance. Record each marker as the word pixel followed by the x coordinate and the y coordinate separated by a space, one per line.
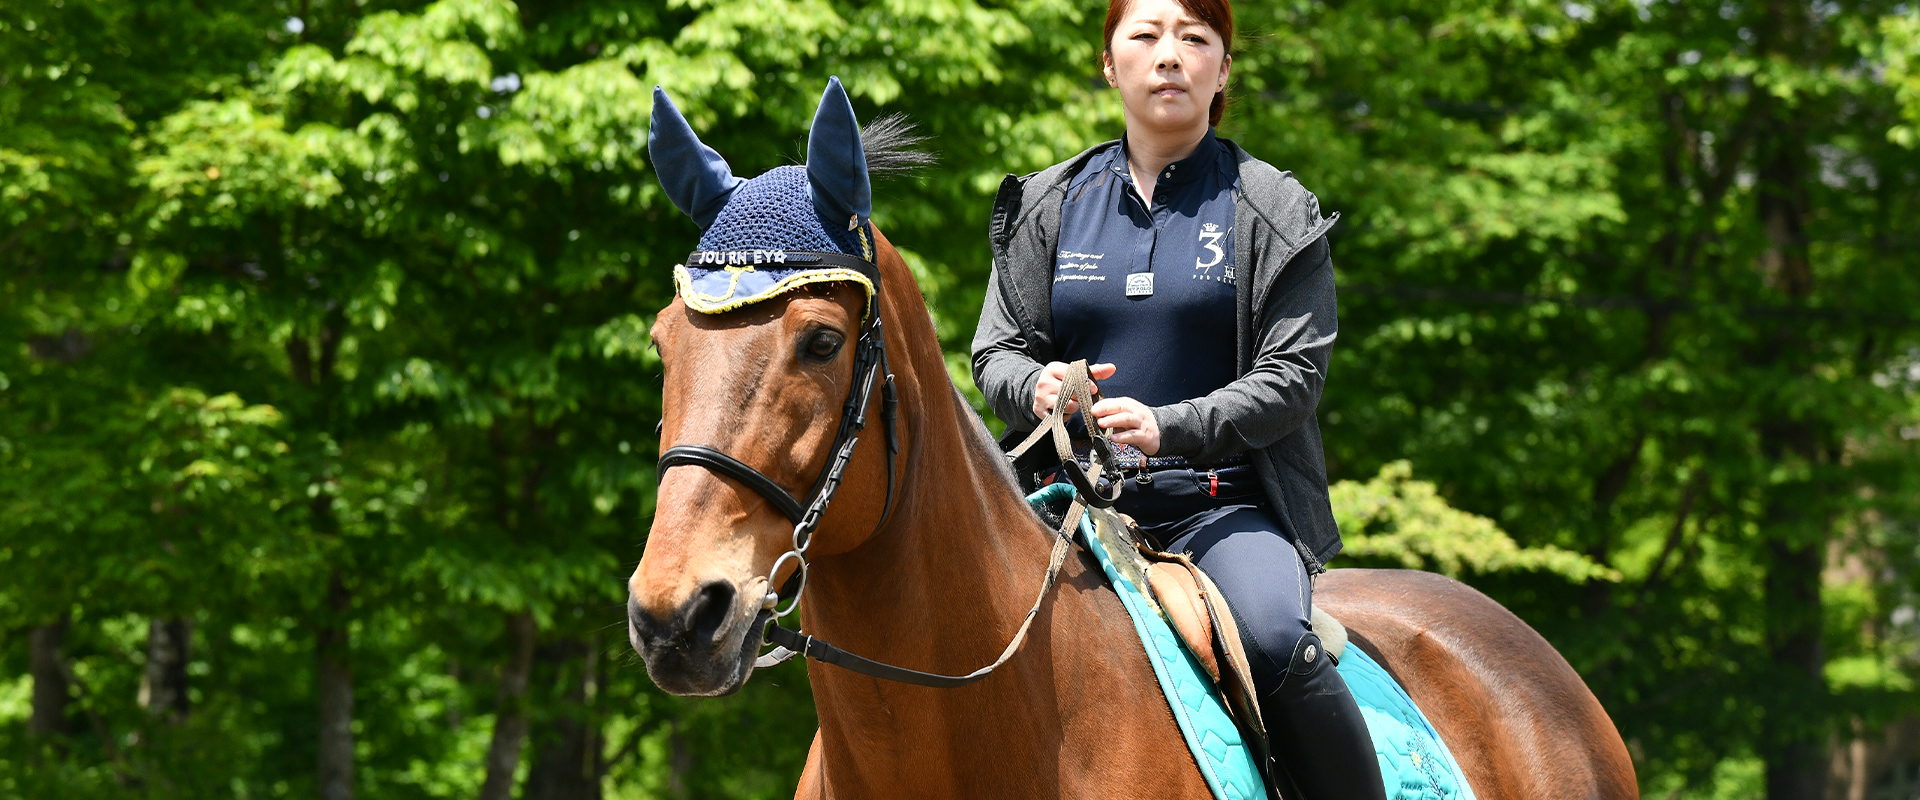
pixel 1127 456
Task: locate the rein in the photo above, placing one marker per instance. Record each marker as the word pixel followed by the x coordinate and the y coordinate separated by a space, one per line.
pixel 870 363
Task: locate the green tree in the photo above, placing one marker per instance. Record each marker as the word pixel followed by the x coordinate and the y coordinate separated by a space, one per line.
pixel 1629 279
pixel 326 402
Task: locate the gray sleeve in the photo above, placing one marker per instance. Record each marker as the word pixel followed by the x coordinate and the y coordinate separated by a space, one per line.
pixel 1279 393
pixel 1002 368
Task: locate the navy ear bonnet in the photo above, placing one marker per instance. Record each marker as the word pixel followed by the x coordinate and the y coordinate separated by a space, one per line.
pixel 774 211
pixel 751 225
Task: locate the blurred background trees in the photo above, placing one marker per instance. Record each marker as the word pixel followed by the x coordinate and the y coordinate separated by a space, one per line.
pixel 326 402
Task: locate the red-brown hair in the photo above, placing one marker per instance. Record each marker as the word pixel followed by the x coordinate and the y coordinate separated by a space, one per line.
pixel 1217 14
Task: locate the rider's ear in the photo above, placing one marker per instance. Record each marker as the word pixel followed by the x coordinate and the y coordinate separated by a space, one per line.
pixel 696 178
pixel 836 163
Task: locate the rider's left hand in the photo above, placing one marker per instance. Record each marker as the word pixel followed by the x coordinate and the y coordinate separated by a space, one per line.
pixel 1130 421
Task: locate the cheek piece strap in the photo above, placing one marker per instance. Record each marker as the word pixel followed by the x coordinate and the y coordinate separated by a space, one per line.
pixel 869 366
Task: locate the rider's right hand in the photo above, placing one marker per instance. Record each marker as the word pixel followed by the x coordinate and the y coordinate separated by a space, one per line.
pixel 1047 391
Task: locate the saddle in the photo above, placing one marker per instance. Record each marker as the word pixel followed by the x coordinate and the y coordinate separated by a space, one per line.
pixel 1196 609
pixel 1191 640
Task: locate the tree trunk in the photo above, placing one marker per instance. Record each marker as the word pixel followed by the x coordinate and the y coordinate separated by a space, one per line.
pixel 163 689
pixel 679 764
pixel 1597 596
pixel 566 766
pixel 1796 761
pixel 50 693
pixel 335 675
pixel 1851 773
pixel 1796 523
pixel 510 719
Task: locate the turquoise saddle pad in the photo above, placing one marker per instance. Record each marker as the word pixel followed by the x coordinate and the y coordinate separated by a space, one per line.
pixel 1414 763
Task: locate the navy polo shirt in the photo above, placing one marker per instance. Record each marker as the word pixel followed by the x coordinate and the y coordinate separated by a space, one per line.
pixel 1178 342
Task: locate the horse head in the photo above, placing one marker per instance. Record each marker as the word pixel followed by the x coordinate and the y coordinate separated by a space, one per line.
pixel 762 350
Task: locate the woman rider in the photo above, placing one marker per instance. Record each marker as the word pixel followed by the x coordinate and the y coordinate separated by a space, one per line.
pixel 1198 282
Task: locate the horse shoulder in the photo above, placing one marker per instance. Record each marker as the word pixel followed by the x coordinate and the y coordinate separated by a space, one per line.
pixel 1118 735
pixel 1516 716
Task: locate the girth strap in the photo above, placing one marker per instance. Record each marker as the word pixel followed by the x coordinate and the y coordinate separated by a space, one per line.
pixel 731 467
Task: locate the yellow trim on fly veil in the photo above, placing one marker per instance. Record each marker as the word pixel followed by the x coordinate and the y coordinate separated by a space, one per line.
pixel 722 303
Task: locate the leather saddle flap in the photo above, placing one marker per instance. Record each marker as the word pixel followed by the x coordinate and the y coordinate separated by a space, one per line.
pixel 1185 604
pixel 1198 611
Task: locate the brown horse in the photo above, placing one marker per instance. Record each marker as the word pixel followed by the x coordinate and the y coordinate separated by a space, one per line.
pixel 943 584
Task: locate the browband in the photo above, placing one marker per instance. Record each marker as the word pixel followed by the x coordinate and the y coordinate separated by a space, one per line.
pixel 782 259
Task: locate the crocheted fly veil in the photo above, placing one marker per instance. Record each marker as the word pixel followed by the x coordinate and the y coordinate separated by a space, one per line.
pixel 757 233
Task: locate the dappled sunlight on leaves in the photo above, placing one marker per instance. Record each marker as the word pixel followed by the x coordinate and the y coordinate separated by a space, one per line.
pixel 1396 520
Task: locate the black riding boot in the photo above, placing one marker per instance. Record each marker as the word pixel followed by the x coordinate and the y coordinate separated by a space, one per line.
pixel 1317 732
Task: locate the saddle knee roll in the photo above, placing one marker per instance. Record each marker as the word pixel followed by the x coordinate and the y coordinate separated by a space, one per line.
pixel 1183 600
pixel 1199 614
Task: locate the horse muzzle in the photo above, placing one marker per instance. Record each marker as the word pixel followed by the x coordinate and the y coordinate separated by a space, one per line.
pixel 704 648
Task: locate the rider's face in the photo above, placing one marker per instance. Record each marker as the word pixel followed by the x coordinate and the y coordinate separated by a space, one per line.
pixel 1167 64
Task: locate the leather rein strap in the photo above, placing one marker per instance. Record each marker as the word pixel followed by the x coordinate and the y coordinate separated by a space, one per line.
pixel 795 642
pixel 791 642
pixel 1077 386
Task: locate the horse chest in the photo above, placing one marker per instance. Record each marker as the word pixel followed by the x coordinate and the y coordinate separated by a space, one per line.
pixel 1081 717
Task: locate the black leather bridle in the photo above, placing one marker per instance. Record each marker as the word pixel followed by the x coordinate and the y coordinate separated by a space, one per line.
pixel 869 365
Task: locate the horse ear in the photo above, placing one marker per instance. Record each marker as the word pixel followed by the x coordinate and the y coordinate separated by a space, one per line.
pixel 836 163
pixel 696 178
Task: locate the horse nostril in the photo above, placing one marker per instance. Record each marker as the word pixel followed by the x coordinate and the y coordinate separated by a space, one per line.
pixel 640 624
pixel 709 610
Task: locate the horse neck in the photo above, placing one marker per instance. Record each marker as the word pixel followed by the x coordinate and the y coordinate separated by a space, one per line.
pixel 945 584
pixel 960 536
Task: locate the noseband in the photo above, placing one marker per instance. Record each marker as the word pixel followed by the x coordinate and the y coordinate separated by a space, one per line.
pixel 869 363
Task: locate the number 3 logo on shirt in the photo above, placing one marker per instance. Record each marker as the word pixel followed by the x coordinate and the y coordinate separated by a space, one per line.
pixel 1210 239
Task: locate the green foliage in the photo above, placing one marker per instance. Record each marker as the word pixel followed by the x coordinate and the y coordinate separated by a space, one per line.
pixel 1395 521
pixel 365 293
pixel 1902 58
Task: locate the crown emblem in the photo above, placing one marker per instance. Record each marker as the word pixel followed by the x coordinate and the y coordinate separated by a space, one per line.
pixel 1210 227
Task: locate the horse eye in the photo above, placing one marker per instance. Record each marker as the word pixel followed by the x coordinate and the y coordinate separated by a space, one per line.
pixel 822 345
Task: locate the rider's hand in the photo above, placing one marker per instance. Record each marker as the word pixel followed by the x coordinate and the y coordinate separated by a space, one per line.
pixel 1047 391
pixel 1130 422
